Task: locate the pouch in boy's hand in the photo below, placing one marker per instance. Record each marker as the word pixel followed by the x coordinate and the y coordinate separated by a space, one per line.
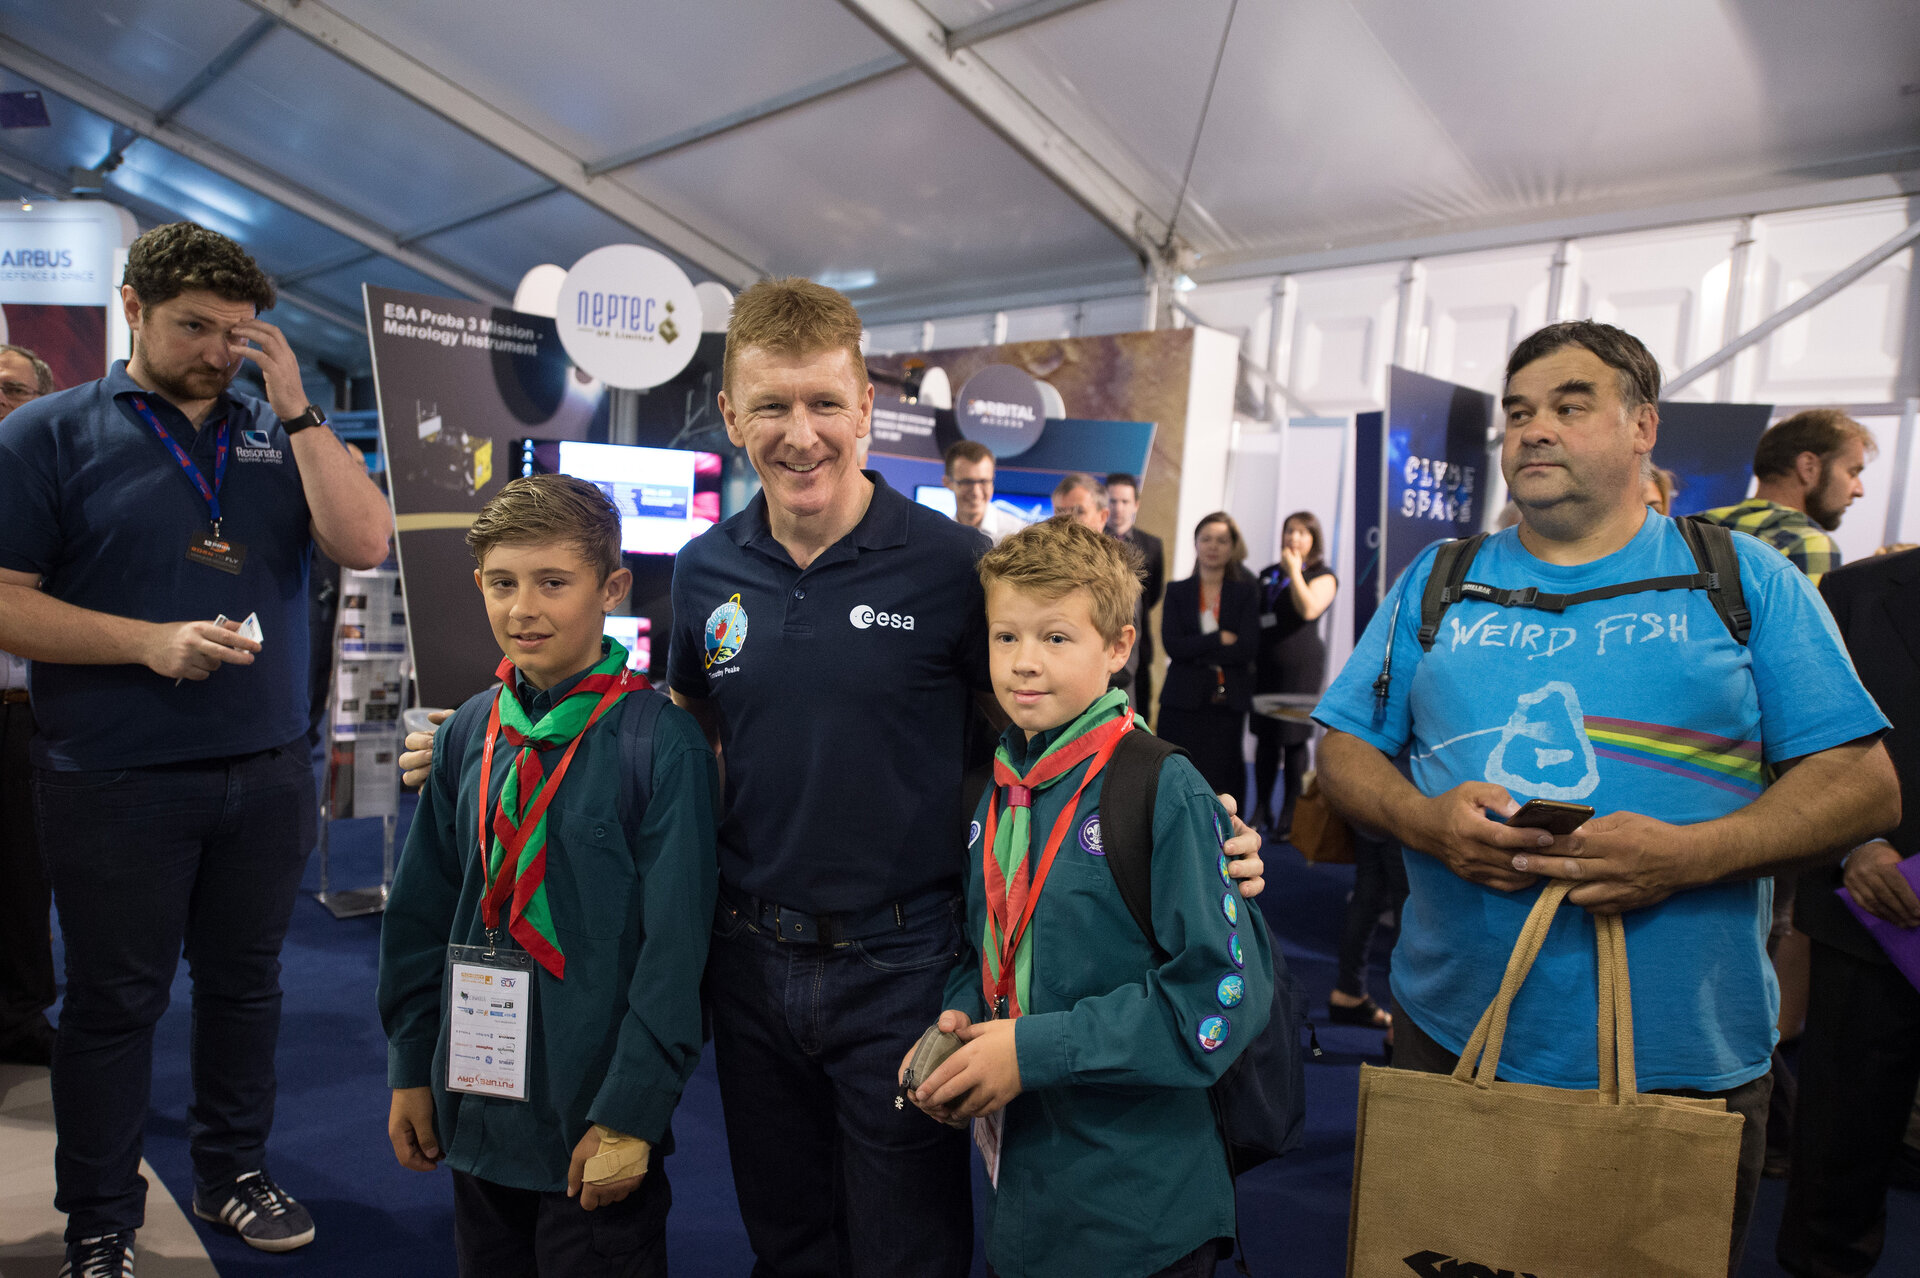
pixel 928 1055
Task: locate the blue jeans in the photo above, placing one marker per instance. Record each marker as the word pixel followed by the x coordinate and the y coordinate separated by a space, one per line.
pixel 833 1180
pixel 203 857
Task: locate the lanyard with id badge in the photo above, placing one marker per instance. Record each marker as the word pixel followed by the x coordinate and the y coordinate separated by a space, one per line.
pixel 210 550
pixel 490 989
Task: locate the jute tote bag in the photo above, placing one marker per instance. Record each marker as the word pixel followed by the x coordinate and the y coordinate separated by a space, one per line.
pixel 1513 1179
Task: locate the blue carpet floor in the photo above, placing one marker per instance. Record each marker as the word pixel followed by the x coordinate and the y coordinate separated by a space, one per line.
pixel 375 1219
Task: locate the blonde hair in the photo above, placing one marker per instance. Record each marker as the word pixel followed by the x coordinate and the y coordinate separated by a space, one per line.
pixel 1057 556
pixel 543 509
pixel 792 316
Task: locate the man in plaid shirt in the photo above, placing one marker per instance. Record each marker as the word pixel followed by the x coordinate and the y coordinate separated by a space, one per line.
pixel 1808 468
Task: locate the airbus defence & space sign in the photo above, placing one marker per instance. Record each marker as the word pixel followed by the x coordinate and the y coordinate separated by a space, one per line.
pixel 628 316
pixel 60 253
pixel 1000 406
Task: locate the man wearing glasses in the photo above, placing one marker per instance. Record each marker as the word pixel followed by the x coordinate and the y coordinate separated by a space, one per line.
pixel 26 942
pixel 970 476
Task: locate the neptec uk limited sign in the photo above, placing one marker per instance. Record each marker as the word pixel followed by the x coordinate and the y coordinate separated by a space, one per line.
pixel 629 316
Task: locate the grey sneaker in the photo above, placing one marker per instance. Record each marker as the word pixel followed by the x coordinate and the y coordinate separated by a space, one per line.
pixel 108 1256
pixel 262 1213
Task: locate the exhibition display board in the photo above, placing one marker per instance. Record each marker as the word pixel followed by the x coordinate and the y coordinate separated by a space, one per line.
pixel 60 267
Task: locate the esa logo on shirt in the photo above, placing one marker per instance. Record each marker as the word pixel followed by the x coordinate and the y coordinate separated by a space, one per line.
pixel 864 617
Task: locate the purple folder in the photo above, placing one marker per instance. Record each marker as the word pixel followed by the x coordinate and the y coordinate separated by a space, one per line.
pixel 1902 944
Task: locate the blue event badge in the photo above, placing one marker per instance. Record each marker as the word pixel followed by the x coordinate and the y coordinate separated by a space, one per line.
pixel 1232 988
pixel 1230 906
pixel 1213 1032
pixel 489 1012
pixel 1234 951
pixel 1226 876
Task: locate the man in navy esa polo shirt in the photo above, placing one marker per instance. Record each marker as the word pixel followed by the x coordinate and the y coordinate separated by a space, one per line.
pixel 171 778
pixel 829 638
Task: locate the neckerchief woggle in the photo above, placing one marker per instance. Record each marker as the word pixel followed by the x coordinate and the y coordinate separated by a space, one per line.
pixel 209 493
pixel 516 855
pixel 1013 881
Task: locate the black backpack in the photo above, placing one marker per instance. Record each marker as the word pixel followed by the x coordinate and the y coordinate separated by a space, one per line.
pixel 1260 1103
pixel 1718 574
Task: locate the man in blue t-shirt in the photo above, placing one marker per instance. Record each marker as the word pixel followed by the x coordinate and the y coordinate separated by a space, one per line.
pixel 1642 705
pixel 171 775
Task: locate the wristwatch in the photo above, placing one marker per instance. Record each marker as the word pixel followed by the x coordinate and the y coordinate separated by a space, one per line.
pixel 312 417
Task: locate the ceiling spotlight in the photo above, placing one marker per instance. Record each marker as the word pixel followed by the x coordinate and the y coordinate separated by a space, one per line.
pixel 26 204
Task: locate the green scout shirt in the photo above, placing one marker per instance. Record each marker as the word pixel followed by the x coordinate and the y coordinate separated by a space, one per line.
pixel 615 1041
pixel 1111 1164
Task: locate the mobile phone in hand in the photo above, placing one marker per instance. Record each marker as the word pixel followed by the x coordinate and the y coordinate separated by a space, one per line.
pixel 1553 817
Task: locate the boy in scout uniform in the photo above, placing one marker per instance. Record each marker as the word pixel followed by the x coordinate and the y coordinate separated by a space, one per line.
pixel 1087 1049
pixel 541 992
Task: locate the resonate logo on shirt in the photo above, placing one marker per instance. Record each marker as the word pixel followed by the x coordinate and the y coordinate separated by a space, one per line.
pixel 256 445
pixel 864 617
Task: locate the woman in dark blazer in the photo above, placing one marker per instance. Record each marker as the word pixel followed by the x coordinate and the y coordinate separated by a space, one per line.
pixel 1209 629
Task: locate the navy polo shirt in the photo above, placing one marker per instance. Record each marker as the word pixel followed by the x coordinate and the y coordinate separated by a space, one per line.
pixel 843 691
pixel 98 507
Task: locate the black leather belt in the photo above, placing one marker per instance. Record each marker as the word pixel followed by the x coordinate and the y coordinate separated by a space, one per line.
pixel 789 924
pixel 13 696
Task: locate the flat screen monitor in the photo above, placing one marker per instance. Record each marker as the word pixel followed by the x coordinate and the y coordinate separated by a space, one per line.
pixel 652 488
pixel 935 496
pixel 635 635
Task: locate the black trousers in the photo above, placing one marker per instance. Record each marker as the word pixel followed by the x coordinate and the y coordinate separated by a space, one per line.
pixel 1212 735
pixel 1274 745
pixel 1414 1048
pixel 1859 1065
pixel 500 1232
pixel 1379 885
pixel 26 903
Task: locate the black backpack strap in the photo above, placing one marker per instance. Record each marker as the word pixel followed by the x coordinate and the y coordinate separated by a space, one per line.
pixel 1529 597
pixel 639 717
pixel 1713 551
pixel 1127 798
pixel 1444 583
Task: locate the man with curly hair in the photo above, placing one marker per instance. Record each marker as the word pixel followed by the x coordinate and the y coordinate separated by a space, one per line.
pixel 171 774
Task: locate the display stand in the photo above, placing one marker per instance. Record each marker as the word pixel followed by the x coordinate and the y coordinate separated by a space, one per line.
pixel 363 728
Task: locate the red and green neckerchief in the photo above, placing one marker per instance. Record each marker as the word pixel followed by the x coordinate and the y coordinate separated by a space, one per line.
pixel 520 818
pixel 1013 881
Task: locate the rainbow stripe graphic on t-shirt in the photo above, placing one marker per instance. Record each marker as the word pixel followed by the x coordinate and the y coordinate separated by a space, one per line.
pixel 1697 756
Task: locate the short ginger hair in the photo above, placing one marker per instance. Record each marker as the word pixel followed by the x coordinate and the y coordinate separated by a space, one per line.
pixel 539 510
pixel 792 316
pixel 1055 557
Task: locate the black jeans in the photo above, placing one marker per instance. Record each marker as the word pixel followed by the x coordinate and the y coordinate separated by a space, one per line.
pixel 501 1232
pixel 26 933
pixel 1414 1048
pixel 833 1179
pixel 1379 884
pixel 146 862
pixel 1269 753
pixel 1859 1065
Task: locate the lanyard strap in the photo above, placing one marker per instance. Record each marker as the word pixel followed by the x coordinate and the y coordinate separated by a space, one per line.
pixel 209 493
pixel 500 888
pixel 1010 914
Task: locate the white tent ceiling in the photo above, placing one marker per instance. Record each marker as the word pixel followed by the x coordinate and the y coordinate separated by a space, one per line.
pixel 914 158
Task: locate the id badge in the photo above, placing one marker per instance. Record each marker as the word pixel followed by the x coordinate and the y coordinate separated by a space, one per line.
pixel 221 553
pixel 489 1011
pixel 1269 620
pixel 986 1138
